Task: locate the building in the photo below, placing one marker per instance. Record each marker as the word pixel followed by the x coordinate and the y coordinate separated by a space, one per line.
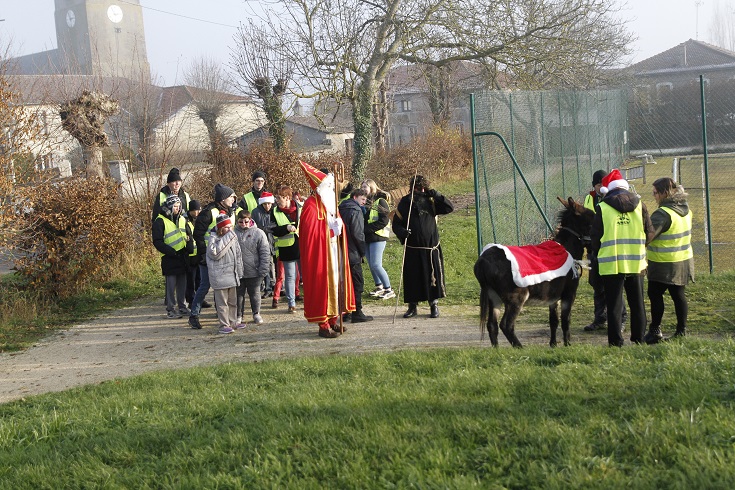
pixel 94 37
pixel 665 110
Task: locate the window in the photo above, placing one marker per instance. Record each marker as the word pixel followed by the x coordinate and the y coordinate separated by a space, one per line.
pixel 405 105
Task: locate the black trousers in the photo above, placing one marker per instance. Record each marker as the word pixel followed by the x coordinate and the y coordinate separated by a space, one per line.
pixel 358 282
pixel 633 285
pixel 656 292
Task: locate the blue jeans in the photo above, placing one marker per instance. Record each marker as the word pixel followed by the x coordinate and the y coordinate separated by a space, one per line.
pixel 202 290
pixel 375 262
pixel 289 272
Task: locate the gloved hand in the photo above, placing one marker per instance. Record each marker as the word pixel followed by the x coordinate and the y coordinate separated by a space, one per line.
pixel 336 226
pixel 432 193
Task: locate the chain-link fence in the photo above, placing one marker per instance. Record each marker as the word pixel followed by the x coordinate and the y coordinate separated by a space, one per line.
pixel 558 140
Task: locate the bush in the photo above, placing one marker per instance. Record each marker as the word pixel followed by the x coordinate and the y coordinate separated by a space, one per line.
pixel 440 155
pixel 69 233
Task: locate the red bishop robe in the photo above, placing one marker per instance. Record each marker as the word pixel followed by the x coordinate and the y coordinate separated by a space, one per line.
pixel 318 268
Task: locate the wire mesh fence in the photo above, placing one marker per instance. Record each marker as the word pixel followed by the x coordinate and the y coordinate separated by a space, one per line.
pixel 558 139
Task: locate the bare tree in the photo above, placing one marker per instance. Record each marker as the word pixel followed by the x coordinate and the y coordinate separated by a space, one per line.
pixel 345 49
pixel 264 72
pixel 84 118
pixel 722 25
pixel 207 75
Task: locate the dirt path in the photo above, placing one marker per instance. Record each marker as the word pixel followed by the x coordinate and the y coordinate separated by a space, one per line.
pixel 139 339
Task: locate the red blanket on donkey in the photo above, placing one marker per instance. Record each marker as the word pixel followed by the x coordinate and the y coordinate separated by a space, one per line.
pixel 532 264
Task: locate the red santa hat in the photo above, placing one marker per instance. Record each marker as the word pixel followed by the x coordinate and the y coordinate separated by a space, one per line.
pixel 314 176
pixel 223 220
pixel 613 180
pixel 266 197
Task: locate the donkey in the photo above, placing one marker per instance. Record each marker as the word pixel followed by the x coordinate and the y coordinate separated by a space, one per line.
pixel 494 271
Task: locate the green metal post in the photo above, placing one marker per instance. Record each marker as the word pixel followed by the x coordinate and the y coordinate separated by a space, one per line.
pixel 477 178
pixel 706 173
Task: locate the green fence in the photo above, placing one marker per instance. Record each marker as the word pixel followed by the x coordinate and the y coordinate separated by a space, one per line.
pixel 557 139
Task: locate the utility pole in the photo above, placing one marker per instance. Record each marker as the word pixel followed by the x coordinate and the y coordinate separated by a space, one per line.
pixel 697 4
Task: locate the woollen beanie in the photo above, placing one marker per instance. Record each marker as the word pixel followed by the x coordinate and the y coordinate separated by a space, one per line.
pixel 195 205
pixel 597 177
pixel 221 192
pixel 173 175
pixel 258 175
pixel 223 219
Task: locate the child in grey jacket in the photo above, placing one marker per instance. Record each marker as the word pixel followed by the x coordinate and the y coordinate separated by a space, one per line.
pixel 256 255
pixel 224 261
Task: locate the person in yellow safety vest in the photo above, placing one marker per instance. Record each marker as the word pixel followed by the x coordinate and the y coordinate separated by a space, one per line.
pixel 620 231
pixel 250 200
pixel 193 278
pixel 173 240
pixel 599 321
pixel 223 200
pixel 174 186
pixel 377 231
pixel 285 220
pixel 670 256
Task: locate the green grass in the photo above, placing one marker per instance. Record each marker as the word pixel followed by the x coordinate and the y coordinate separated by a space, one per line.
pixel 641 417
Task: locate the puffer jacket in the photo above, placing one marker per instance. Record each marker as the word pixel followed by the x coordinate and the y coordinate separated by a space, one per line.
pixel 224 260
pixel 256 253
pixel 623 201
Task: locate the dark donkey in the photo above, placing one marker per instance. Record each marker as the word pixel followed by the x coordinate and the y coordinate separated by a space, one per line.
pixel 493 271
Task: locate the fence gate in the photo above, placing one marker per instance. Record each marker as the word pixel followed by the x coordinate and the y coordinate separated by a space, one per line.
pixel 530 147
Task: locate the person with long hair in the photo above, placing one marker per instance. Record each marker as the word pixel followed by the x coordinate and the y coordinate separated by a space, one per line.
pixel 670 256
pixel 377 231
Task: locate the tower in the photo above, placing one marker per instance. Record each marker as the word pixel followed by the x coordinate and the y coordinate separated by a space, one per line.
pixel 102 38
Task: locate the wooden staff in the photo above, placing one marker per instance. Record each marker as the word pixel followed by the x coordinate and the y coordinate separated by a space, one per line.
pixel 405 243
pixel 339 175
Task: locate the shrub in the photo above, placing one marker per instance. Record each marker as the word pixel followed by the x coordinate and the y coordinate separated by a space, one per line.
pixel 440 155
pixel 69 233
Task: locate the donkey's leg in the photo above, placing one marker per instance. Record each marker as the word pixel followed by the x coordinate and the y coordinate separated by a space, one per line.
pixel 508 323
pixel 492 324
pixel 567 302
pixel 553 322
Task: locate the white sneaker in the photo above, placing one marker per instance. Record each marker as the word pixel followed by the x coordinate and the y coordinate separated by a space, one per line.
pixel 257 319
pixel 387 294
pixel 377 292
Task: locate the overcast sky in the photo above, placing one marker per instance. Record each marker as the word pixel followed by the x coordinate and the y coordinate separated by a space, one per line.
pixel 178 31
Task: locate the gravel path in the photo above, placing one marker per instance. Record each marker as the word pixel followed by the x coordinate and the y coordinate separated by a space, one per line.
pixel 139 339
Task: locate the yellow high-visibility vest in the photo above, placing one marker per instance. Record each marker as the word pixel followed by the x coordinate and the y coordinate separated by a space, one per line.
pixel 285 240
pixel 373 217
pixel 675 244
pixel 174 234
pixel 623 243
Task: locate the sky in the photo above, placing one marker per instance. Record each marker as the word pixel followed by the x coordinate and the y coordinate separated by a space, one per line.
pixel 180 31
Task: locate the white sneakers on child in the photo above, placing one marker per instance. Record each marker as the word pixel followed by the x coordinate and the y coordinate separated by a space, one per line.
pixel 257 319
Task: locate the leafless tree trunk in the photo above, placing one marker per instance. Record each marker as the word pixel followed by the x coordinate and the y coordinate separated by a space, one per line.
pixel 84 118
pixel 206 75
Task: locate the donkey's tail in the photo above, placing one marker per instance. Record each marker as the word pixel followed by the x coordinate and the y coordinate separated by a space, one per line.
pixel 482 268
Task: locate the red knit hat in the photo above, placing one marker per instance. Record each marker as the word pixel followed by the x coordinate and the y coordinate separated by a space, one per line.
pixel 613 180
pixel 266 197
pixel 313 175
pixel 223 220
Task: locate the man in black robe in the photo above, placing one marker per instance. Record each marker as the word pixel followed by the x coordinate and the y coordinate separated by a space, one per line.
pixel 423 269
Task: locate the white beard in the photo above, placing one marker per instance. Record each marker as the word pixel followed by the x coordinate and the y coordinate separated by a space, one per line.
pixel 326 192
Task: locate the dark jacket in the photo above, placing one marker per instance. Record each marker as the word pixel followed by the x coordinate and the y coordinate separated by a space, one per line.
pixel 201 228
pixel 256 194
pixel 379 202
pixel 624 202
pixel 264 220
pixel 354 229
pixel 290 253
pixel 173 263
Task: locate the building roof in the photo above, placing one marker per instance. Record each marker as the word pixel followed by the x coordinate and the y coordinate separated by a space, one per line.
pixel 688 56
pixel 465 75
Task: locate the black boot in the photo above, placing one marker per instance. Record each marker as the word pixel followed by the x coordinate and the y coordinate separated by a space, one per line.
pixel 653 336
pixel 411 311
pixel 680 332
pixel 434 309
pixel 359 317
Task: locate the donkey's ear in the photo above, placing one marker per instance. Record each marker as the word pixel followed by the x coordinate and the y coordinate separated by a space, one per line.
pixel 565 203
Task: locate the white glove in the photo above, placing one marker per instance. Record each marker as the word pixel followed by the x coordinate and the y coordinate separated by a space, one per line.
pixel 335 224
